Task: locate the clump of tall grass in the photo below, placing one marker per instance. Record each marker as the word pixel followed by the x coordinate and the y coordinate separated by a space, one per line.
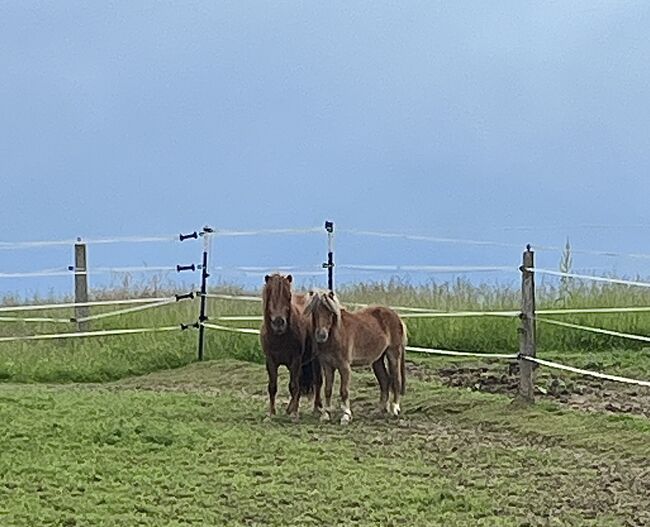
pixel 105 358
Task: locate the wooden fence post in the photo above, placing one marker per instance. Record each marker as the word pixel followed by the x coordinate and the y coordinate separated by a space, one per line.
pixel 527 337
pixel 81 284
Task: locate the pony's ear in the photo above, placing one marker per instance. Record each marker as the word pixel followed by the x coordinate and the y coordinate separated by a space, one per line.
pixel 333 304
pixel 266 279
pixel 290 278
pixel 313 299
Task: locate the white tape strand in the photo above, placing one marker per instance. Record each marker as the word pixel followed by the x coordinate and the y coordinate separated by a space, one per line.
pixel 589 373
pixel 416 349
pixel 513 313
pixel 425 312
pixel 217 327
pixel 601 331
pixel 84 334
pixel 396 308
pixel 435 239
pixel 433 351
pixel 268 269
pixel 414 312
pixel 36 274
pixel 619 281
pixel 90 272
pixel 246 298
pixel 241 318
pixel 242 298
pixel 428 268
pixel 125 311
pixel 43 307
pixel 120 270
pixel 307 230
pixel 462 241
pixel 250 271
pixel 594 310
pixel 461 314
pixel 91 241
pixel 36 320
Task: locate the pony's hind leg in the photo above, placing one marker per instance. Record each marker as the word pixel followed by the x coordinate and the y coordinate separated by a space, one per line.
pixel 272 370
pixel 318 385
pixel 328 373
pixel 395 372
pixel 345 372
pixel 384 383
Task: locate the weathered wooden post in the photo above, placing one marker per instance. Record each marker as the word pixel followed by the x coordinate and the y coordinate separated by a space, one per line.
pixel 81 285
pixel 527 336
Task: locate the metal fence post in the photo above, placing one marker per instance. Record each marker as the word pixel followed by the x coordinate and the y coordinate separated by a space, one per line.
pixel 329 265
pixel 203 317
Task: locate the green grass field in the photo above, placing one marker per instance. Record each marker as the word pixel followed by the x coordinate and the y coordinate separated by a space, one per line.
pixel 129 430
pixel 190 447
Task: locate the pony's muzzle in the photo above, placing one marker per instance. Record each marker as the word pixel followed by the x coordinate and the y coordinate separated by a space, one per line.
pixel 279 324
pixel 321 335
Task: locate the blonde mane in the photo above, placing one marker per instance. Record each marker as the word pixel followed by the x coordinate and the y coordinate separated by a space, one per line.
pixel 327 299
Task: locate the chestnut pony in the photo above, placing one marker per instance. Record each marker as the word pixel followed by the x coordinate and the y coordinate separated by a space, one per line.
pixel 286 340
pixel 365 337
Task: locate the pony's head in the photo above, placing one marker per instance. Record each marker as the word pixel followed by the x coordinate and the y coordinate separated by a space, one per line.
pixel 276 299
pixel 325 312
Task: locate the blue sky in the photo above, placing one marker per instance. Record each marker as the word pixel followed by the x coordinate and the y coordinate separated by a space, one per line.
pixel 449 118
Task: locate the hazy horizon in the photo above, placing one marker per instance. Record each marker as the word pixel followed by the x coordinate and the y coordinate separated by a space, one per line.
pixel 517 122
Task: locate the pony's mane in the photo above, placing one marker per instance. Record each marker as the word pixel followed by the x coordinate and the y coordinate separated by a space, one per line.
pixel 324 298
pixel 276 285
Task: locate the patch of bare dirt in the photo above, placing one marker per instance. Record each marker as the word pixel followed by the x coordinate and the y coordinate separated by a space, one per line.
pixel 583 393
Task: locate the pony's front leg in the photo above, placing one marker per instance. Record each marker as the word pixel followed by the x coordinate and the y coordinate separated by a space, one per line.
pixel 345 372
pixel 328 372
pixel 294 388
pixel 318 385
pixel 272 370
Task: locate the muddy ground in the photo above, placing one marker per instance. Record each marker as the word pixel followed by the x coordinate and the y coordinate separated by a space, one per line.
pixel 584 393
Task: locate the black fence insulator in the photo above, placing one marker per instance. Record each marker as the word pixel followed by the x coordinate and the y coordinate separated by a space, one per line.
pixel 189 296
pixel 70 267
pixel 192 236
pixel 195 325
pixel 181 268
pixel 329 226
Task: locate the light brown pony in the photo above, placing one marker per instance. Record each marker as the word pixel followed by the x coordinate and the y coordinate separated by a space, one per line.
pixel 286 340
pixel 364 337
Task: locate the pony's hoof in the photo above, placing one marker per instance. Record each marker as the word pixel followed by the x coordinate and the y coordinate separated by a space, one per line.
pixel 317 411
pixel 325 417
pixel 295 417
pixel 395 410
pixel 345 419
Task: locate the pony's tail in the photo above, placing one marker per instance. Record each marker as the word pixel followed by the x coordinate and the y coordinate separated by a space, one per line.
pixel 403 361
pixel 309 363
